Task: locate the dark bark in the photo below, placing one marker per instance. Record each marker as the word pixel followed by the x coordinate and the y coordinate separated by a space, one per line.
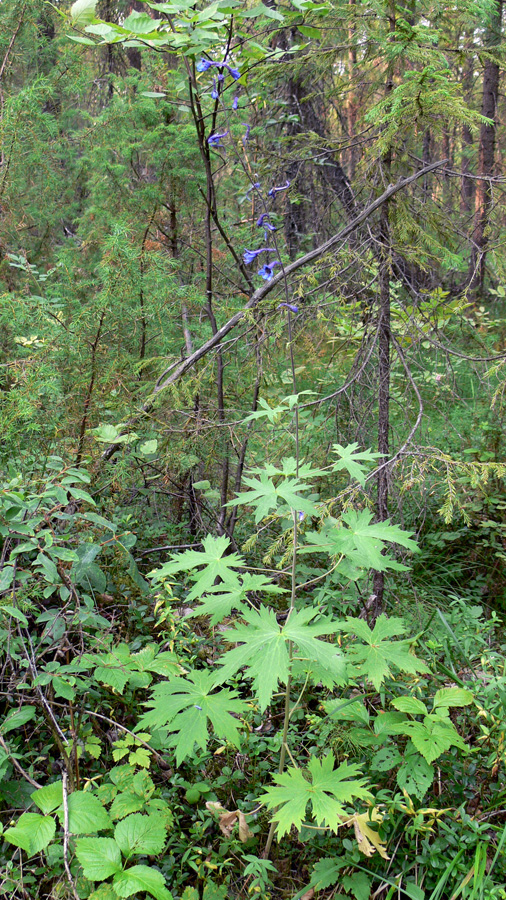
pixel 467 190
pixel 384 348
pixel 486 154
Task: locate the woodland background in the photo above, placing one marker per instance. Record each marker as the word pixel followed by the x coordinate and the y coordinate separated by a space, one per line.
pixel 252 370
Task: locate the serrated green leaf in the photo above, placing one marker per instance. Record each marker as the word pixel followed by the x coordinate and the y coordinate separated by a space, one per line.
pixel 434 736
pixel 187 704
pixel 386 759
pixel 141 878
pixel 446 698
pixel 377 655
pixel 265 495
pixel 321 787
pixel 82 12
pixel 48 798
pixel 350 458
pixel 264 648
pixel 362 542
pixel 99 857
pixel 214 562
pixel 141 834
pixel 410 705
pixel 141 23
pixel 327 872
pixel 112 676
pixel 219 600
pixel 126 803
pixel 86 814
pixel 415 775
pixel 358 884
pixel 31 832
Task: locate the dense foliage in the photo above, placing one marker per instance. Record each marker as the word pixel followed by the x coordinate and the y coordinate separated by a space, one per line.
pixel 252 507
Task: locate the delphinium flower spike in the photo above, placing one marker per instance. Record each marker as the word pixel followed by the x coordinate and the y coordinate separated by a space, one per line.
pixel 204 65
pixel 263 222
pixel 275 190
pixel 250 255
pixel 214 140
pixel 266 272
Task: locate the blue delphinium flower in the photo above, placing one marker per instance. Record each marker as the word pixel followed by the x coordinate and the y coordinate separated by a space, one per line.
pixel 266 271
pixel 235 102
pixel 275 190
pixel 250 255
pixel 262 222
pixel 214 140
pixel 294 309
pixel 204 65
pixel 234 72
pixel 214 92
pixel 246 136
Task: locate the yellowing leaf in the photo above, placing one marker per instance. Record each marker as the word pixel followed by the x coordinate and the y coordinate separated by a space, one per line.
pixel 368 840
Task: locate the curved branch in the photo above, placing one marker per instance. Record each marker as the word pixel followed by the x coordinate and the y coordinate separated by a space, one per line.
pixel 176 371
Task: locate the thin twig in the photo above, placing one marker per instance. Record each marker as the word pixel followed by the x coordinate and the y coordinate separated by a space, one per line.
pixel 18 766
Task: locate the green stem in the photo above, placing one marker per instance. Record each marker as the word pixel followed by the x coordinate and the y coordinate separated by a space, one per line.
pixel 286 719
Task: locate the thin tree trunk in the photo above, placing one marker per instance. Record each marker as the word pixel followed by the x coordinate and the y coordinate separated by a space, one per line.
pixel 384 349
pixel 467 189
pixel 486 154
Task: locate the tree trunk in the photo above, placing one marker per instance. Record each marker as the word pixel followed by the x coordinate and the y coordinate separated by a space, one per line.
pixel 486 155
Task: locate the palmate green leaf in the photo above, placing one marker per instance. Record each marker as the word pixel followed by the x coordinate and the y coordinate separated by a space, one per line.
pixel 219 600
pixel 378 654
pixel 324 789
pixel 266 496
pixel 141 878
pixel 351 460
pixel 213 561
pixel 186 705
pixel 264 650
pixel 362 543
